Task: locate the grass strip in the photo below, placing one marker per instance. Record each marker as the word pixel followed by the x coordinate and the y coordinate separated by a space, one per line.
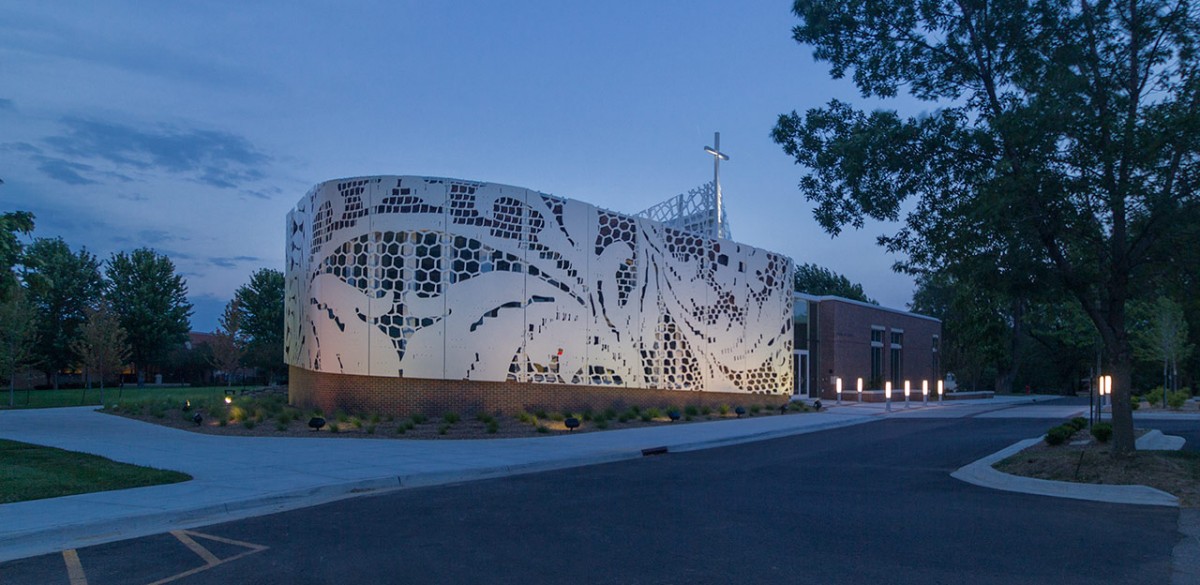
pixel 34 472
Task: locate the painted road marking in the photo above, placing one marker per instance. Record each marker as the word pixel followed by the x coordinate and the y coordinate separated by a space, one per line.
pixel 74 568
pixel 210 560
pixel 187 541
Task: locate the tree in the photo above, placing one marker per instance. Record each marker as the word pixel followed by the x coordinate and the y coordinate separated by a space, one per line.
pixel 17 336
pixel 151 303
pixel 102 345
pixel 1161 334
pixel 62 285
pixel 817 280
pixel 1065 131
pixel 228 345
pixel 260 304
pixel 12 224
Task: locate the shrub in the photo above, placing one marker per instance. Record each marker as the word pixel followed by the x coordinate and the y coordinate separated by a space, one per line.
pixel 333 427
pixel 625 416
pixel 543 429
pixel 653 413
pixel 1079 423
pixel 281 426
pixel 705 410
pixel 1177 399
pixel 284 418
pixel 375 418
pixel 358 423
pixel 341 416
pixel 526 418
pixel 610 413
pixel 635 409
pixel 539 413
pixel 444 429
pixel 724 409
pixel 419 419
pixel 222 421
pixel 646 417
pixel 1059 434
pixel 754 408
pixel 557 416
pixel 401 429
pixel 249 423
pixel 451 418
pixel 691 411
pixel 1135 403
pixel 483 417
pixel 493 427
pixel 587 416
pixel 370 429
pixel 1155 396
pixel 602 423
pixel 1102 432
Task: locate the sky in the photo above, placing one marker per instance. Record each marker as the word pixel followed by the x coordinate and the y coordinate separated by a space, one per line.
pixel 193 128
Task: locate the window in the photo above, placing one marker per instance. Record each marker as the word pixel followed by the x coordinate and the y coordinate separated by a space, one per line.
pixel 876 357
pixel 897 347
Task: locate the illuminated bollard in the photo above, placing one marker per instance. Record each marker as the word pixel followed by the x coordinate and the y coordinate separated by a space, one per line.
pixel 860 390
pixel 839 390
pixel 940 389
pixel 907 387
pixel 925 392
pixel 887 395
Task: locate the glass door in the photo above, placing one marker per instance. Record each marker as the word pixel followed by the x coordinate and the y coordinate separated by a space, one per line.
pixel 800 373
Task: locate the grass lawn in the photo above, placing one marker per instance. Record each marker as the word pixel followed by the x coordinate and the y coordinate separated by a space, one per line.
pixel 80 397
pixel 33 472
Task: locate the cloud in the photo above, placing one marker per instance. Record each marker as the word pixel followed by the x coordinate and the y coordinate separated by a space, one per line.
pixel 138 197
pixel 232 262
pixel 24 147
pixel 210 157
pixel 65 170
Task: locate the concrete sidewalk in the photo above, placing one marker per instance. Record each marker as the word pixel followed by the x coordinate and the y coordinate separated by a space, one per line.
pixel 239 477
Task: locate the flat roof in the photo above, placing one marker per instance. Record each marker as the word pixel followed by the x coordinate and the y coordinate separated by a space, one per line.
pixel 824 298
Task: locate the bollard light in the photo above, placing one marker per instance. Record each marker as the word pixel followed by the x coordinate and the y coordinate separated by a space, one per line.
pixel 941 387
pixel 839 390
pixel 887 394
pixel 925 392
pixel 860 389
pixel 907 387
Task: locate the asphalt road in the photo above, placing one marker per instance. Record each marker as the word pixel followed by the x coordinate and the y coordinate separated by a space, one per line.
pixel 866 504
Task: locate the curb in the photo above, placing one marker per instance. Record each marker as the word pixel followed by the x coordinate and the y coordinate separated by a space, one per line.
pixel 981 473
pixel 17 545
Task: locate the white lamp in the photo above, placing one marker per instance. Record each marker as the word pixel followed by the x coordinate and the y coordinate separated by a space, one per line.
pixel 907 388
pixel 887 394
pixel 839 389
pixel 860 389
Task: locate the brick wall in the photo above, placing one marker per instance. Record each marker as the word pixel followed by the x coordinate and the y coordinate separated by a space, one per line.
pixel 845 339
pixel 404 396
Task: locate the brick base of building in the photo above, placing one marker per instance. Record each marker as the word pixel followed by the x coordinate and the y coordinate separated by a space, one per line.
pixel 405 396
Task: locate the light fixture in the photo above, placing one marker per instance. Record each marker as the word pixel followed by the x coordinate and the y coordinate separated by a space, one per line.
pixel 925 391
pixel 197 419
pixel 839 390
pixel 673 415
pixel 860 390
pixel 739 411
pixel 887 394
pixel 572 423
pixel 228 400
pixel 941 387
pixel 315 423
pixel 907 387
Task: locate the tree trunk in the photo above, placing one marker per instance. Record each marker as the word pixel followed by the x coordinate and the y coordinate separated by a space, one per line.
pixel 1121 361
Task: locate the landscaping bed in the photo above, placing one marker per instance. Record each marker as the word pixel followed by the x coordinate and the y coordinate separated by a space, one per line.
pixel 33 472
pixel 269 415
pixel 1084 459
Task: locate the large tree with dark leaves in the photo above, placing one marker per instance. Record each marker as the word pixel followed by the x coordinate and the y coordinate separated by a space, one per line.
pixel 62 286
pixel 260 304
pixel 1064 135
pixel 818 280
pixel 151 303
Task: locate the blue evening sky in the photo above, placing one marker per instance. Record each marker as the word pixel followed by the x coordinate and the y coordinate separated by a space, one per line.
pixel 194 127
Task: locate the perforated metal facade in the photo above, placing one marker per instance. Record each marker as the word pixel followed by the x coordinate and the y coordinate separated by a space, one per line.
pixel 418 277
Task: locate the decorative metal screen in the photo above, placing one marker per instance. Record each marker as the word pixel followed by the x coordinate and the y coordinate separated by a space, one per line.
pixel 448 279
pixel 694 211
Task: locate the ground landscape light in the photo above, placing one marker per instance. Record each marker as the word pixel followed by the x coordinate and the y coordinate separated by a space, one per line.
pixel 228 400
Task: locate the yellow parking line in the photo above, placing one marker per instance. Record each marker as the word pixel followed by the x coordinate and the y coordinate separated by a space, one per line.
pixel 74 568
pixel 208 557
pixel 185 536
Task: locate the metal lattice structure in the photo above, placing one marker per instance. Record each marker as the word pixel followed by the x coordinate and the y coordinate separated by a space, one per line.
pixel 423 277
pixel 694 211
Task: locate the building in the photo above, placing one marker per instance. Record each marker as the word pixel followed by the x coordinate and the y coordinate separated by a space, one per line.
pixel 837 337
pixel 409 293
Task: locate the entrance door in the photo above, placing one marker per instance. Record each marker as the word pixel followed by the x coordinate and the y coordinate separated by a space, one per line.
pixel 800 373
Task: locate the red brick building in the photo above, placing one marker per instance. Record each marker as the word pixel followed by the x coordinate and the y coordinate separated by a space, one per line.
pixel 837 337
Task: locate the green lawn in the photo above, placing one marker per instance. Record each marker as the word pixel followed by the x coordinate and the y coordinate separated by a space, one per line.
pixel 33 472
pixel 78 397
